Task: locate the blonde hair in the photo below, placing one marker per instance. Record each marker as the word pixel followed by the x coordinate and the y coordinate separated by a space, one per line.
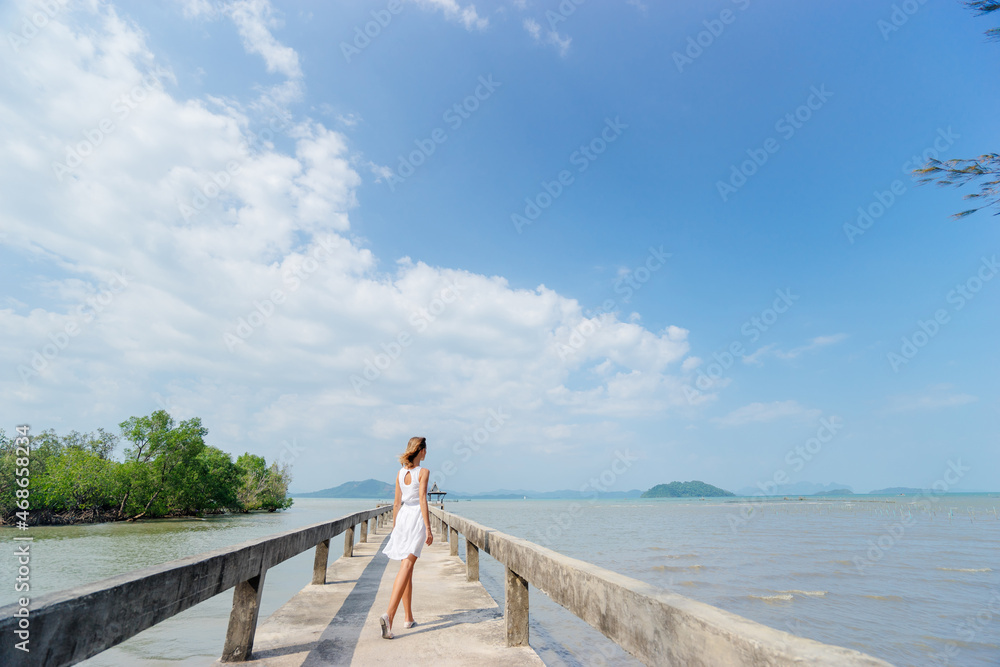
pixel 413 448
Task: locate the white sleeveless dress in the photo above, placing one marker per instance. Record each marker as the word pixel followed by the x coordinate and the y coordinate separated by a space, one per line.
pixel 409 533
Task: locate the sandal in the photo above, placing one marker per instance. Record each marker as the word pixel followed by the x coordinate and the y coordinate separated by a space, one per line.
pixel 386 628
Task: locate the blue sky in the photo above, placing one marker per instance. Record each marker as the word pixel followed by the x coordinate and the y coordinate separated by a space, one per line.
pixel 295 142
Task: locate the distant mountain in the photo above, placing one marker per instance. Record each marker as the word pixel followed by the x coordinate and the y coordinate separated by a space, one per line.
pixel 835 492
pixel 564 494
pixel 370 488
pixel 896 490
pixel 796 489
pixel 693 489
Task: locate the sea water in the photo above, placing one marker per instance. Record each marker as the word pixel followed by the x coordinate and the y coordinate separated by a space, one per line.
pixel 915 581
pixel 912 580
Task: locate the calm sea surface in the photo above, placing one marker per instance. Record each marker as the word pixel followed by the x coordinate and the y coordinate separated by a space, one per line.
pixel 880 575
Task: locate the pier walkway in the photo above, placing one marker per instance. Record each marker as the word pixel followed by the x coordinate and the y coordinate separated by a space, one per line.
pixel 336 623
pixel 334 619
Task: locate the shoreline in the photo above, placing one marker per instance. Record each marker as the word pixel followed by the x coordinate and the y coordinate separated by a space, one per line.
pixel 41 518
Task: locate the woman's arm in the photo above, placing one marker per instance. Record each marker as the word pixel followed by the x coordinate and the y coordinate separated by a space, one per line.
pixel 397 502
pixel 425 474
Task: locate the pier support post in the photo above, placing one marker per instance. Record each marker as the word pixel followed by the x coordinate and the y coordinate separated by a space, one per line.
pixel 320 562
pixel 374 530
pixel 471 561
pixel 243 619
pixel 454 542
pixel 349 542
pixel 364 531
pixel 515 608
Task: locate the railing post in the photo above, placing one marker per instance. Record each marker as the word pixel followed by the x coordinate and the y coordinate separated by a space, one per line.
pixel 471 561
pixel 364 531
pixel 515 608
pixel 454 542
pixel 319 563
pixel 243 619
pixel 349 542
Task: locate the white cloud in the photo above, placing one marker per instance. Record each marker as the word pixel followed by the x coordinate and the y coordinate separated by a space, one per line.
pixel 767 412
pixel 269 252
pixel 196 8
pixel 452 11
pixel 551 37
pixel 934 397
pixel 535 30
pixel 772 349
pixel 254 20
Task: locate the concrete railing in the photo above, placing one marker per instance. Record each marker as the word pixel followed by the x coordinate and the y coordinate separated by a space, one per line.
pixel 654 625
pixel 72 625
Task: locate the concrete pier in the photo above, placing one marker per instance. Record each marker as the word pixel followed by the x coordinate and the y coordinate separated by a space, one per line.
pixel 336 623
pixel 335 619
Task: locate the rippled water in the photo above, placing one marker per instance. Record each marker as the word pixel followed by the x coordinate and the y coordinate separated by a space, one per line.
pixel 876 575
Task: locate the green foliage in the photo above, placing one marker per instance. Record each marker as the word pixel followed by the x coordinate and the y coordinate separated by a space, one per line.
pixel 985 7
pixel 77 479
pixel 167 470
pixel 986 168
pixel 262 487
pixel 694 489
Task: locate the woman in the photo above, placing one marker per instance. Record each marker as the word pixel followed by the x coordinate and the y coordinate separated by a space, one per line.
pixel 411 530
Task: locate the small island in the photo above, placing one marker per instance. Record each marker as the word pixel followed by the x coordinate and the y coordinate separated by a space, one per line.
pixel 835 492
pixel 693 489
pixel 898 490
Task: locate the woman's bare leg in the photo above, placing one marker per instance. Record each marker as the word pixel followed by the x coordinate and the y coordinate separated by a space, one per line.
pixel 408 598
pixel 399 585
